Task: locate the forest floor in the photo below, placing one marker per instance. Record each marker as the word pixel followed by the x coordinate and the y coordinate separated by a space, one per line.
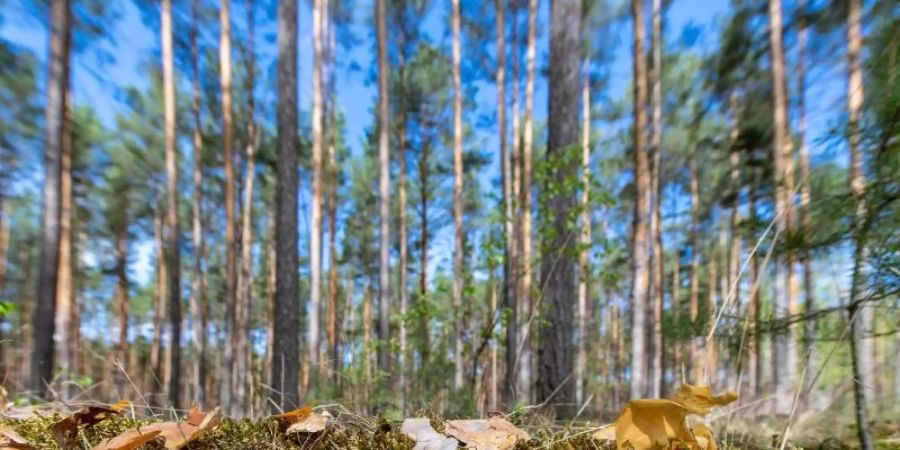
pixel 98 431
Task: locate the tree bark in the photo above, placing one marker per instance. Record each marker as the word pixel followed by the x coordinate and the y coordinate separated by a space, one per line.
pixel 159 307
pixel 198 296
pixel 403 225
pixel 657 354
pixel 785 368
pixel 694 300
pixel 44 310
pixel 458 250
pixel 245 277
pixel 65 292
pixel 384 192
pixel 227 371
pixel 333 325
pixel 754 344
pixel 423 253
pixel 315 207
pixel 174 291
pixel 121 296
pixel 526 299
pixel 585 236
pixel 805 196
pixel 514 294
pixel 860 317
pixel 640 247
pixel 285 356
pixel 558 264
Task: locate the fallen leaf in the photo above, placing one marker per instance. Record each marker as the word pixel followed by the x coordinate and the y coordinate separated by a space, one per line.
pixel 127 440
pixel 295 415
pixel 699 399
pixel 649 424
pixel 426 437
pixel 66 430
pixel 313 423
pixel 9 440
pixel 175 434
pixel 491 434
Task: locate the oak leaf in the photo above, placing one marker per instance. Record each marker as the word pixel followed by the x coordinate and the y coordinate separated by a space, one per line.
pixel 175 434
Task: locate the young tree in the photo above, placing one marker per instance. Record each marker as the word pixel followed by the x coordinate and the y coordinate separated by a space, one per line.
pixel 44 311
pixel 640 257
pixel 285 364
pixel 860 351
pixel 384 188
pixel 584 236
pixel 226 387
pixel 657 353
pixel 198 295
pixel 458 250
pixel 315 233
pixel 558 266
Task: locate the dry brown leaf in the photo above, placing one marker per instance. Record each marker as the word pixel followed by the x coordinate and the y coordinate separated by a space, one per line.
pixel 295 415
pixel 426 437
pixel 658 423
pixel 313 423
pixel 66 430
pixel 700 400
pixel 491 434
pixel 175 434
pixel 704 436
pixel 10 440
pixel 127 440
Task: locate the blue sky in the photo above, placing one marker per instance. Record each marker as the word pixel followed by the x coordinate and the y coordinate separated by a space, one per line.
pixel 96 85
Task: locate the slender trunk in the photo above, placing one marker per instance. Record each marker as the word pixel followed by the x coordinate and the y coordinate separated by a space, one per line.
pixel 271 284
pixel 121 296
pixel 65 292
pixel 677 366
pixel 709 373
pixel 805 196
pixel 558 264
pixel 44 311
pixel 734 158
pixel 4 240
pixel 754 344
pixel 227 375
pixel 243 351
pixel 403 262
pixel 694 294
pixel 860 348
pixel 585 237
pixel 657 355
pixel 526 299
pixel 333 326
pixel 198 295
pixel 159 307
pixel 513 208
pixel 786 357
pixel 384 192
pixel 423 254
pixel 285 355
pixel 25 258
pixel 458 250
pixel 315 233
pixel 367 339
pixel 640 256
pixel 174 278
pixel 493 388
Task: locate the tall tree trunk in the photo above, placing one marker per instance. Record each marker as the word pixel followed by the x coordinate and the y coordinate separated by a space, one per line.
pixel 315 207
pixel 403 232
pixel 65 292
pixel 334 176
pixel 526 299
pixel 513 208
pixel 734 158
pixel 121 296
pixel 271 271
pixel 423 254
pixel 285 355
pixel 558 263
pixel 384 192
pixel 860 348
pixel 173 255
pixel 754 344
pixel 805 196
pixel 709 373
pixel 44 310
pixel 243 351
pixel 585 236
pixel 226 388
pixel 694 294
pixel 159 307
pixel 657 354
pixel 785 368
pixel 640 247
pixel 458 250
pixel 198 295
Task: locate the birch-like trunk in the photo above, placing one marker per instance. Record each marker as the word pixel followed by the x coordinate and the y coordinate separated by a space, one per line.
pixel 226 388
pixel 657 354
pixel 315 207
pixel 458 250
pixel 198 294
pixel 384 192
pixel 584 237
